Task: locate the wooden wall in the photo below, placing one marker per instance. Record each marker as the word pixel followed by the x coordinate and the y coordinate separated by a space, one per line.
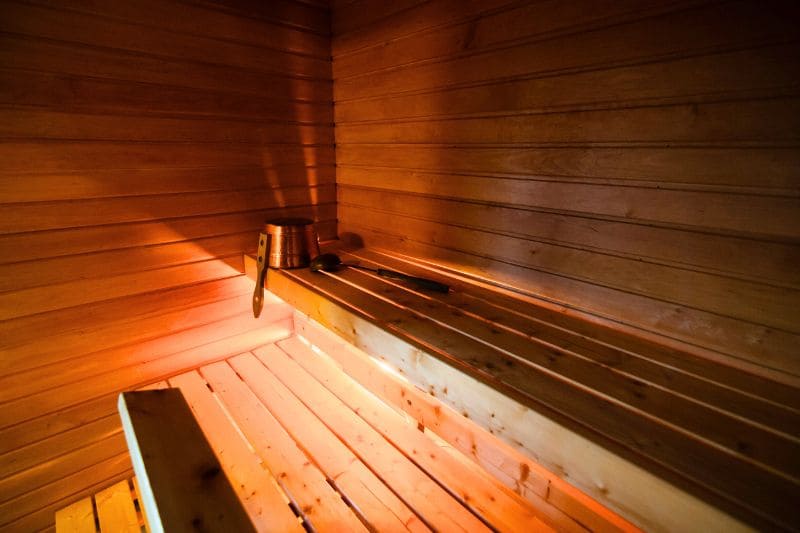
pixel 634 159
pixel 142 143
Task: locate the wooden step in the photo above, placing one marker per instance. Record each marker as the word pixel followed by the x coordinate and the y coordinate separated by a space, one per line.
pixel 115 509
pixel 612 411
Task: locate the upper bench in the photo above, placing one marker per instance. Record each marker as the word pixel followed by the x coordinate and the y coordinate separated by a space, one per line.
pixel 662 436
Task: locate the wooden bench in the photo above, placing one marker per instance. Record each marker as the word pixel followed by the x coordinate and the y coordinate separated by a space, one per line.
pixel 303 441
pixel 115 509
pixel 669 439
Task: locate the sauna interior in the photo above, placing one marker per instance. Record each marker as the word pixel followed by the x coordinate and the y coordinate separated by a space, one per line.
pixel 611 188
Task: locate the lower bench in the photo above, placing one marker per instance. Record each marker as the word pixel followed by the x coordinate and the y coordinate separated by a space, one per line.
pixel 115 509
pixel 317 438
pixel 671 439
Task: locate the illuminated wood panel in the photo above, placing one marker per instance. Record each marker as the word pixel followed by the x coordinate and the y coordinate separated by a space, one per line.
pixel 636 161
pixel 670 440
pixel 142 144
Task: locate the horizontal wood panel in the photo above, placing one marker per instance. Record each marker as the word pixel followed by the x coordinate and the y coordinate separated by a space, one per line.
pixel 748 167
pixel 45 56
pixel 25 247
pixel 456 28
pixel 766 216
pixel 25 332
pixel 32 186
pixel 197 20
pixel 166 365
pixel 145 143
pixel 755 347
pixel 46 125
pixel 413 320
pixel 659 136
pixel 103 473
pixel 66 92
pixel 479 208
pixel 698 78
pixel 670 35
pixel 64 155
pixel 80 213
pixel 771 306
pixel 696 123
pixel 71 27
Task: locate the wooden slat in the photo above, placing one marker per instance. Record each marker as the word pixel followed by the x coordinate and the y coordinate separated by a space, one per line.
pixel 18 52
pixel 138 491
pixel 524 476
pixel 768 448
pixel 610 414
pixel 685 123
pixel 136 209
pixel 173 358
pixel 473 487
pixel 743 258
pixel 381 508
pixel 46 125
pixel 62 465
pixel 66 324
pixel 320 505
pixel 759 71
pixel 484 360
pixel 446 28
pixel 72 27
pixel 72 92
pixel 600 473
pixel 728 213
pixel 77 517
pixel 183 485
pixel 754 347
pixel 750 167
pixel 756 399
pixel 427 498
pixel 104 473
pixel 115 509
pixel 188 19
pixel 143 143
pixel 704 28
pixel 66 441
pixel 768 305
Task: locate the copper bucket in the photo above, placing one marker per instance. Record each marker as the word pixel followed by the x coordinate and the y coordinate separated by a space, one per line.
pixel 283 243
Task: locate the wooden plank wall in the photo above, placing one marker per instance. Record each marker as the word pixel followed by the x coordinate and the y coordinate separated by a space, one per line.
pixel 635 159
pixel 142 143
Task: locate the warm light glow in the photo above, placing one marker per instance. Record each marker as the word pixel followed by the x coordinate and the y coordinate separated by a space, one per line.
pixel 386 367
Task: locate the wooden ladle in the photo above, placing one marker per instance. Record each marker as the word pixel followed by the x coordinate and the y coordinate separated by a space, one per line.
pixel 332 263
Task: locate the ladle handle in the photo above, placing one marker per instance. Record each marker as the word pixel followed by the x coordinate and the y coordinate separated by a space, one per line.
pixel 262 259
pixel 425 283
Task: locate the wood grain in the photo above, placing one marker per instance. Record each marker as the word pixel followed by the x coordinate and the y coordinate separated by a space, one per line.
pixel 551 147
pixel 142 144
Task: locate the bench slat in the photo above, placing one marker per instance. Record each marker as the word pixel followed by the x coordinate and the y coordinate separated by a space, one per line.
pixel 463 479
pixel 76 518
pixel 320 504
pixel 435 505
pixel 594 333
pixel 379 505
pixel 721 475
pixel 751 441
pixel 115 509
pixel 257 490
pixel 546 492
pixel 690 376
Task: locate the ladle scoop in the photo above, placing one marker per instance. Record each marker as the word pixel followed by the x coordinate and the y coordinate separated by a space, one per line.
pixel 332 263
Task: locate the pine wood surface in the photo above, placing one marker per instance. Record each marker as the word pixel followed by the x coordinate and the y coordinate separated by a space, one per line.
pixel 709 428
pixel 324 439
pixel 633 160
pixel 142 146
